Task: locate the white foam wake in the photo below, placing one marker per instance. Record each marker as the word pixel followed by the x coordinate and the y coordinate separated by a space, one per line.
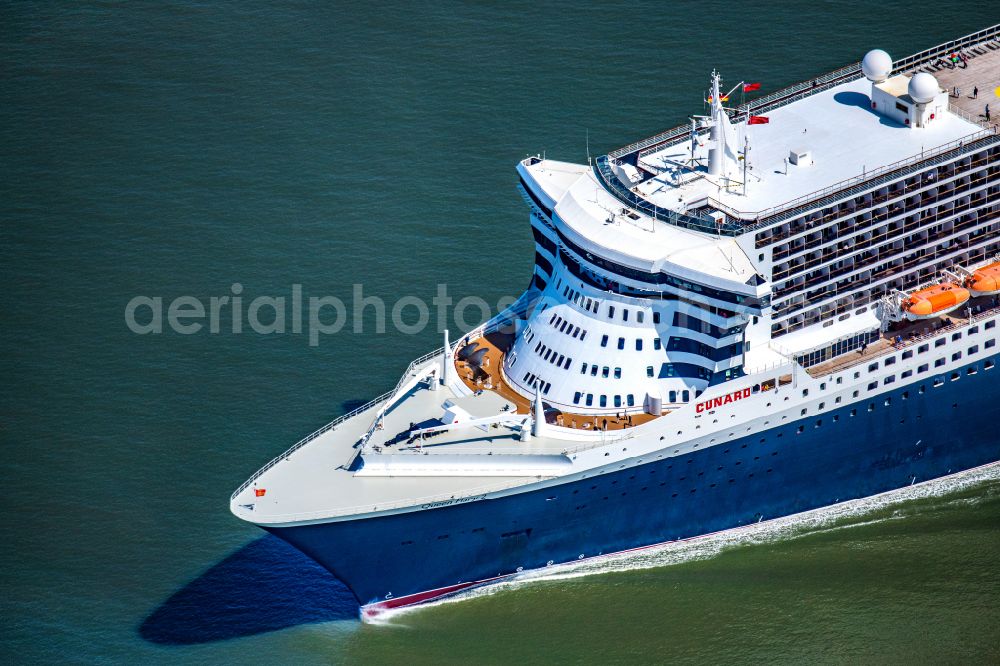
pixel 704 547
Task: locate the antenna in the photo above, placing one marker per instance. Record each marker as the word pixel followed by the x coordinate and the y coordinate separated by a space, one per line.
pixel 588 145
pixel 746 158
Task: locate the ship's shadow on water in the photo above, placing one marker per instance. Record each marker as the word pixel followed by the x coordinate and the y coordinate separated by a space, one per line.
pixel 264 586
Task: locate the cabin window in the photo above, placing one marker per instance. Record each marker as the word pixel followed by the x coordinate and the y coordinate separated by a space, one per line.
pixel 618 373
pixel 657 345
pixel 590 399
pixel 922 368
pixel 940 342
pixel 621 343
pixel 576 398
pixel 638 344
pixel 604 401
pixel 907 354
pixel 630 400
pixel 640 316
pixel 989 344
pixel 649 371
pixel 605 371
pixel 938 363
pixel 604 341
pixel 583 369
pixel 656 317
pixel 624 314
pixel 611 312
pixel 618 401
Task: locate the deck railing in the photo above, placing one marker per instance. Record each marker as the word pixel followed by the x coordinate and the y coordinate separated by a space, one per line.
pixel 931 55
pixel 814 199
pixel 864 181
pixel 464 495
pixel 492 324
pixel 308 438
pixel 852 358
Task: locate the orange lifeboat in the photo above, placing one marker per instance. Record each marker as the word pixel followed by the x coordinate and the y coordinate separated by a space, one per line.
pixel 985 281
pixel 934 301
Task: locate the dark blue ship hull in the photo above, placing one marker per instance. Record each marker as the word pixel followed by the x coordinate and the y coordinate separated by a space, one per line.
pixel 862 449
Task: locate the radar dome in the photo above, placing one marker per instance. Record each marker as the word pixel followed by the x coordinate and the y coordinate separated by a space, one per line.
pixel 923 87
pixel 876 65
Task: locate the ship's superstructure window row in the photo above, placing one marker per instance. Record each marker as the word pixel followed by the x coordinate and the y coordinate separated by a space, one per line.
pixel 894 237
pixel 900 274
pixel 660 279
pixel 802 230
pixel 649 346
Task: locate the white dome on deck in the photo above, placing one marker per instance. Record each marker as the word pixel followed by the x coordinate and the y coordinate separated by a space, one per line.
pixel 876 65
pixel 923 87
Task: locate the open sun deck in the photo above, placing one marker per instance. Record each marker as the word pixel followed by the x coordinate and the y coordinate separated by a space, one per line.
pixel 488 377
pixel 813 125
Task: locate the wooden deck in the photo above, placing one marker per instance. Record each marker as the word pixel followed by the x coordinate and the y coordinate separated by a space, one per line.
pixel 982 71
pixel 911 333
pixel 491 379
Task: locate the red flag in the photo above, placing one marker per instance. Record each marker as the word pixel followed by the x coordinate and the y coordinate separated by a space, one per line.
pixel 259 492
pixel 750 87
pixel 723 98
pixel 759 120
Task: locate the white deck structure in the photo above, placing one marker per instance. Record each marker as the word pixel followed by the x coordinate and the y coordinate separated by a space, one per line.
pixel 845 137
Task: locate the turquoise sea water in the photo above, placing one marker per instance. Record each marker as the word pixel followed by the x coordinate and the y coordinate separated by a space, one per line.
pixel 171 150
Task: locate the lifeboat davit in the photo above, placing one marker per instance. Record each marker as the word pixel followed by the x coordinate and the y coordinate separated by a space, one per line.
pixel 933 301
pixel 985 281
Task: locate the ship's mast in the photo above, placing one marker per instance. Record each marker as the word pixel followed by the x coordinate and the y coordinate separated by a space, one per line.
pixel 717 149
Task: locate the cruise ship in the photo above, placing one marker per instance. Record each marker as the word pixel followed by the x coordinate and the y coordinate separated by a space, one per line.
pixel 787 302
